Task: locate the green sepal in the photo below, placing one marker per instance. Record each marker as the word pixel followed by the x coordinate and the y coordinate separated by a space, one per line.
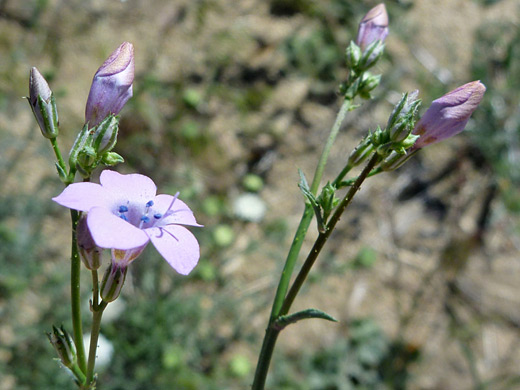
pixel 368 83
pixel 371 55
pixel 327 200
pixel 353 56
pixel 61 173
pixel 104 136
pixel 284 321
pixel 112 158
pixel 305 189
pixel 78 145
pixel 49 114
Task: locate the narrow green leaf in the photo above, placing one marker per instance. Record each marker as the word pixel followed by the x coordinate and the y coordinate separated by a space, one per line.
pixel 289 319
pixel 304 187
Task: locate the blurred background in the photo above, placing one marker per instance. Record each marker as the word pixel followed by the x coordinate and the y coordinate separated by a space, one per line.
pixel 230 99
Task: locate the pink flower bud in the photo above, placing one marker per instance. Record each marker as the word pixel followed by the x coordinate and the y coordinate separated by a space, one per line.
pixel 448 115
pixel 112 85
pixel 373 27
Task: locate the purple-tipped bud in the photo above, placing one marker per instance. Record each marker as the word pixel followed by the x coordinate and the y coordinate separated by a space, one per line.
pixel 373 27
pixel 43 104
pixel 448 115
pixel 90 253
pixel 112 85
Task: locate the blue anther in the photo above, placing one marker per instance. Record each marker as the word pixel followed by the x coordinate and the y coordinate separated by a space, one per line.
pixel 157 216
pixel 149 203
pixel 123 209
pixel 145 219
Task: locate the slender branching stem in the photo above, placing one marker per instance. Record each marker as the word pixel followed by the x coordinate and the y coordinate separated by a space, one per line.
pixel 308 213
pixel 75 267
pixel 271 334
pixel 97 313
pixel 57 152
pixel 348 183
pixel 323 237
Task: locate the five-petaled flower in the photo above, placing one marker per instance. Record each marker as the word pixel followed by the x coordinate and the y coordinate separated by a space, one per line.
pixel 124 214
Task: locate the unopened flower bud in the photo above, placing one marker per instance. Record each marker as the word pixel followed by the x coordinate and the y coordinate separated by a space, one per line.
pixel 112 85
pixel 401 121
pixel 64 346
pixel 105 135
pixel 448 115
pixel 90 253
pixel 43 104
pixel 368 84
pixel 327 199
pixel 360 152
pixel 395 160
pixel 79 144
pixel 373 27
pixel 113 281
pixel 353 55
pixel 112 158
pixel 87 159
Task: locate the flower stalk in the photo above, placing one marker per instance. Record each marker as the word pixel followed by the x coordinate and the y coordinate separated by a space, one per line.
pixel 308 213
pixel 75 268
pixel 272 331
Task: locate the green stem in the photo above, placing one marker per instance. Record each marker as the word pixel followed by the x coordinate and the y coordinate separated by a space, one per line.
pixel 271 335
pixel 57 152
pixel 322 238
pixel 75 267
pixel 264 360
pixel 94 336
pixel 95 288
pixel 341 175
pixel 80 375
pixel 348 183
pixel 345 107
pixel 308 213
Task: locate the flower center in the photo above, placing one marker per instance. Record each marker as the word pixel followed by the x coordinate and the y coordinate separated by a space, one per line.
pixel 148 216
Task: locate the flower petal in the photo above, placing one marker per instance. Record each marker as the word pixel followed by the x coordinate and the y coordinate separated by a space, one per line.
pixel 179 214
pixel 83 196
pixel 112 85
pixel 448 115
pixel 135 187
pixel 110 231
pixel 177 245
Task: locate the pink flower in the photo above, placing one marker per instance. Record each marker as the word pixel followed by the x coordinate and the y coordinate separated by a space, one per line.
pixel 112 85
pixel 124 214
pixel 449 114
pixel 373 27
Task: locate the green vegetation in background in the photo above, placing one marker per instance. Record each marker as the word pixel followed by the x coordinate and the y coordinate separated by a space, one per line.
pixel 497 122
pixel 364 359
